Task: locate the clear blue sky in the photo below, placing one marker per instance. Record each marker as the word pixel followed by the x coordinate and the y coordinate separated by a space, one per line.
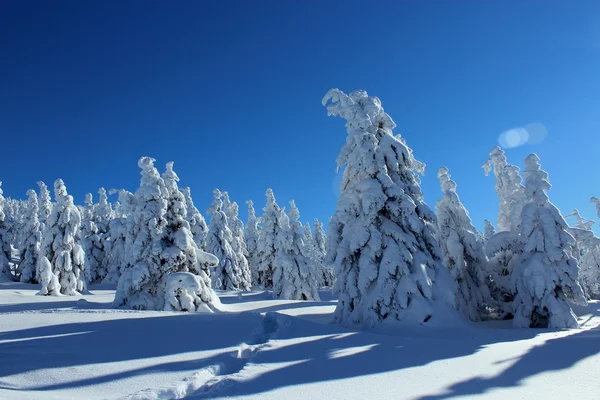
pixel 231 92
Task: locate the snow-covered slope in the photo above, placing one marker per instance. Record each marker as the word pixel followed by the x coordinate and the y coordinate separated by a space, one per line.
pixel 259 348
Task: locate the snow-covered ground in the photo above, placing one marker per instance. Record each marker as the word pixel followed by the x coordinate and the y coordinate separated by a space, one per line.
pixel 258 348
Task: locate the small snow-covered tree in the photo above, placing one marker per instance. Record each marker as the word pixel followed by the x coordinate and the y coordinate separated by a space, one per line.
pixel 238 242
pixel 29 252
pixel 266 249
pixel 228 274
pixel 320 242
pixel 382 236
pixel 141 284
pixel 252 234
pixel 103 216
pixel 502 251
pixel 294 277
pixel 461 251
pixel 45 203
pixel 197 222
pixel 115 245
pixel 509 189
pixel 92 245
pixel 5 241
pixel 61 264
pixel 546 276
pixel 587 253
pixel 184 265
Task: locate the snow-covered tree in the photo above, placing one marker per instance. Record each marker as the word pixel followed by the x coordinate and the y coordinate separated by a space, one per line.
pixel 320 242
pixel 587 253
pixel 45 203
pixel 266 250
pixel 103 214
pixel 115 245
pixel 141 283
pixel 92 245
pixel 184 265
pixel 461 251
pixel 228 274
pixel 29 251
pixel 502 250
pixel 62 259
pixel 382 236
pixel 238 242
pixel 294 277
pixel 5 241
pixel 252 234
pixel 546 276
pixel 509 189
pixel 197 222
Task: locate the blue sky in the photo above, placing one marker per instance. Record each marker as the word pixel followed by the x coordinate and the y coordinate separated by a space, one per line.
pixel 231 91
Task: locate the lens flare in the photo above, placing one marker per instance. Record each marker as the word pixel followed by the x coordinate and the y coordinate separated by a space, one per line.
pixel 529 134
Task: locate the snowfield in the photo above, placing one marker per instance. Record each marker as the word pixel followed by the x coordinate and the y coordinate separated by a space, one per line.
pixel 257 348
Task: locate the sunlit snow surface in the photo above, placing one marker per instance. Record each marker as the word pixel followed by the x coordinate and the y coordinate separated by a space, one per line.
pixel 258 348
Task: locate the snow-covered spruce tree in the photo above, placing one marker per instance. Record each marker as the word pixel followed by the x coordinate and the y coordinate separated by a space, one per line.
pixel 587 253
pixel 197 222
pixel 30 242
pixel 116 259
pixel 185 266
pixel 382 236
pixel 252 234
pixel 320 242
pixel 266 251
pixel 5 241
pixel 502 250
pixel 294 277
pixel 509 189
pixel 461 251
pixel 238 242
pixel 228 274
pixel 45 203
pixel 546 276
pixel 92 245
pixel 103 215
pixel 61 264
pixel 141 285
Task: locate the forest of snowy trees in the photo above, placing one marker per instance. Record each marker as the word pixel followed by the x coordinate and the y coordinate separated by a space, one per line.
pixel 386 255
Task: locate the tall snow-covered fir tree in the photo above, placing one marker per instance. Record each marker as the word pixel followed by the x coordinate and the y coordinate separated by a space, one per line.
pixel 461 251
pixel 294 277
pixel 61 267
pixel 320 243
pixel 266 248
pixel 382 236
pixel 252 234
pixel 238 242
pixel 103 216
pixel 45 203
pixel 228 274
pixel 546 276
pixel 29 252
pixel 141 283
pixel 185 266
pixel 5 241
pixel 510 190
pixel 197 222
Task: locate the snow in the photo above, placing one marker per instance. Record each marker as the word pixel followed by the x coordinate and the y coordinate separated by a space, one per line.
pixel 260 348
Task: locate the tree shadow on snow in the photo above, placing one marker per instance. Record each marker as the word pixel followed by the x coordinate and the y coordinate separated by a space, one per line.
pixel 327 352
pixel 552 355
pixel 122 339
